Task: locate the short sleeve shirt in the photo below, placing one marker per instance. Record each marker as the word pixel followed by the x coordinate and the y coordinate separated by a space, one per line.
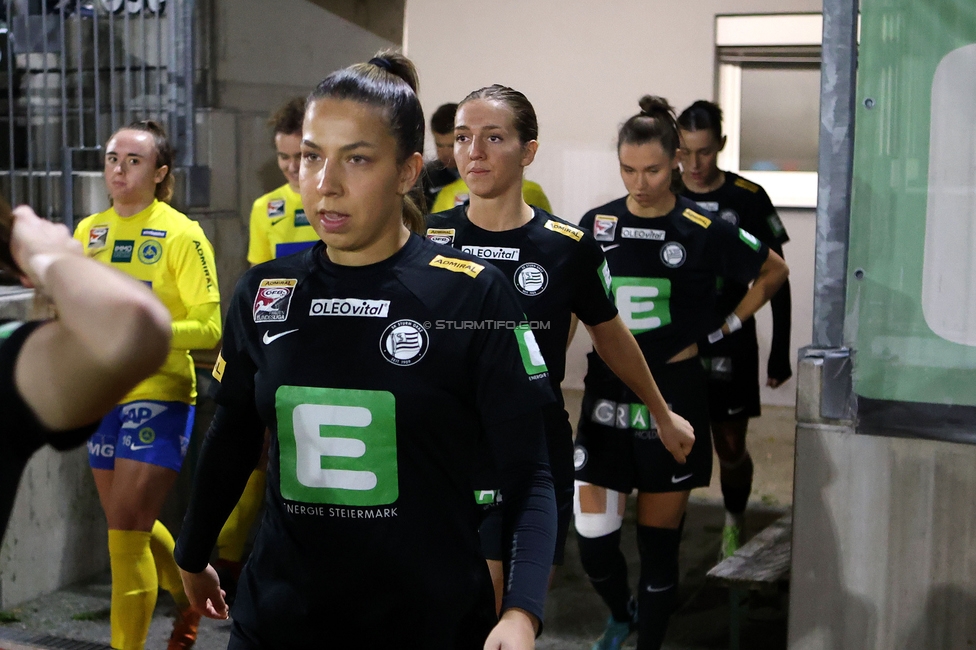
pixel 556 268
pixel 279 226
pixel 664 270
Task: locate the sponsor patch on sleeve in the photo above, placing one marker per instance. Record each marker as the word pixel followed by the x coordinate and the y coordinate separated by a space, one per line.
pixel 218 369
pixel 532 358
pixel 471 269
pixel 604 273
pixel 441 235
pixel 775 225
pixel 563 229
pixel 750 241
pixel 97 237
pixel 276 208
pixel 700 219
pixel 604 227
pixel 746 185
pixel 273 300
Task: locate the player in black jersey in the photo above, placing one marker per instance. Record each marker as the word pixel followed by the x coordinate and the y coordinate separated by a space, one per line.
pixel 59 377
pixel 733 362
pixel 370 534
pixel 664 254
pixel 558 271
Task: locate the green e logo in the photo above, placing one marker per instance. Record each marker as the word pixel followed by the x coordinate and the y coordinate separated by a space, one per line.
pixel 337 446
pixel 644 303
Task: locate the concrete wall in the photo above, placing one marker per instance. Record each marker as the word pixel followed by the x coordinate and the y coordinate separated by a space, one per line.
pixel 883 538
pixel 584 65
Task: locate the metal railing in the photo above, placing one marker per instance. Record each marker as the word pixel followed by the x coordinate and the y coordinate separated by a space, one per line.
pixel 74 71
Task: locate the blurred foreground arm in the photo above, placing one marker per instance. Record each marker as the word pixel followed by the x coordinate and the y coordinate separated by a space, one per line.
pixel 110 332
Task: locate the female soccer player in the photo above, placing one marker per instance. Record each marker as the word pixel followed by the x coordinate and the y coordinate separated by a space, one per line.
pixel 138 449
pixel 733 362
pixel 558 271
pixel 664 254
pixel 58 377
pixel 370 537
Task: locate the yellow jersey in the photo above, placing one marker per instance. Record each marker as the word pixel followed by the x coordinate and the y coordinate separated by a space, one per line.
pixel 168 251
pixel 279 226
pixel 457 193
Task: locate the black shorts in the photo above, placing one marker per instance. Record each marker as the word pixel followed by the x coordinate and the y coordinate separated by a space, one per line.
pixel 617 446
pixel 732 365
pixel 559 439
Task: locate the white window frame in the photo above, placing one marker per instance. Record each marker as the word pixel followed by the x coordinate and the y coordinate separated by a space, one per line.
pixel 785 189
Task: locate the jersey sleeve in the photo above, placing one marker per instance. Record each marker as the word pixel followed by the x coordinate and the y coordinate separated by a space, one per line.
pixel 259 245
pixel 511 376
pixel 592 302
pixel 735 253
pixel 235 367
pixel 772 232
pixel 534 196
pixel 194 268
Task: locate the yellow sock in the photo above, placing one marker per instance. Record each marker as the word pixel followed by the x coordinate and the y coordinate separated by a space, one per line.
pixel 162 545
pixel 233 536
pixel 134 587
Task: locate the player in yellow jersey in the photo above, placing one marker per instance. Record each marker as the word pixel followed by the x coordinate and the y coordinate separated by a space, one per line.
pixel 279 226
pixel 138 449
pixel 457 193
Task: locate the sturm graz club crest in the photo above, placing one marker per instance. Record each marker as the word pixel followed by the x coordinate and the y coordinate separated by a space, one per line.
pixel 531 279
pixel 673 254
pixel 404 342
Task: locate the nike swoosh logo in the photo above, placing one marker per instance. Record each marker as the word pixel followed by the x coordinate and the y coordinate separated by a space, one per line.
pixel 134 448
pixel 277 221
pixel 609 248
pixel 271 339
pixel 652 590
pixel 677 479
pixel 736 411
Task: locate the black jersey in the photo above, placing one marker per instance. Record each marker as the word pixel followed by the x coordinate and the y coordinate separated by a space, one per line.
pixel 370 533
pixel 433 179
pixel 745 205
pixel 557 269
pixel 21 433
pixel 664 270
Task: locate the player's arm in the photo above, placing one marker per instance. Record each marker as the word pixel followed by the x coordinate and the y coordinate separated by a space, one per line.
pixel 616 345
pixel 772 275
pixel 196 279
pixel 779 368
pixel 110 332
pixel 229 453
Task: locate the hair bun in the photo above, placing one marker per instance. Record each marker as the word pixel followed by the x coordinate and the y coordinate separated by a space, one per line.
pixel 651 104
pixel 397 65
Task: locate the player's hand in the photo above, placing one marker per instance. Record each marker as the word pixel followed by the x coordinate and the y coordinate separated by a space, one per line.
pixel 677 435
pixel 516 630
pixel 203 590
pixel 35 243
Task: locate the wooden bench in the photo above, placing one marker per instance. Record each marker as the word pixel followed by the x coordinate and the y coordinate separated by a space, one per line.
pixel 763 563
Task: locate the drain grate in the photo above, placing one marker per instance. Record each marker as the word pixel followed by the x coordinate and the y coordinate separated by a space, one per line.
pixel 22 640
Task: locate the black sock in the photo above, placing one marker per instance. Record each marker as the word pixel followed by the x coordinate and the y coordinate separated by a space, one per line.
pixel 606 568
pixel 658 583
pixel 737 484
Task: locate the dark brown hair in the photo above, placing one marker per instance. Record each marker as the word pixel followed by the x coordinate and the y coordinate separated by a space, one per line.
pixel 7 262
pixel 523 115
pixel 442 121
pixel 164 155
pixel 288 119
pixel 654 123
pixel 389 82
pixel 702 116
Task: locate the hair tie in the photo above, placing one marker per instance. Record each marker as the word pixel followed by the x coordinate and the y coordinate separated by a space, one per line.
pixel 381 63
